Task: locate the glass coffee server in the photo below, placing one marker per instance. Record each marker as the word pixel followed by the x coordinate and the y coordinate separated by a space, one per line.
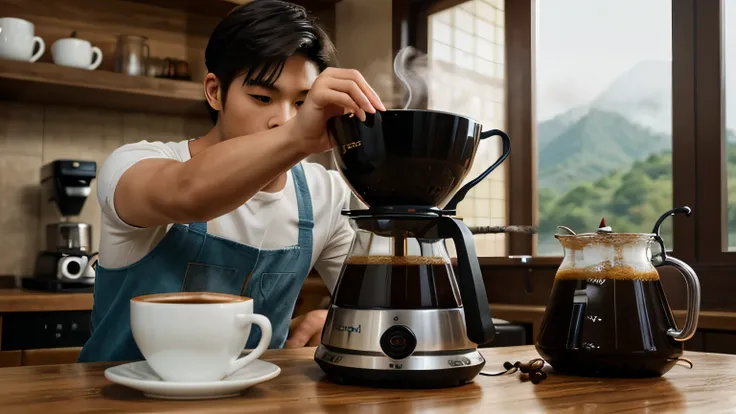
pixel 385 270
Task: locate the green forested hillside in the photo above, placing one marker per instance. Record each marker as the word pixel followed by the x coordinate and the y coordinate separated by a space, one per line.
pixel 630 198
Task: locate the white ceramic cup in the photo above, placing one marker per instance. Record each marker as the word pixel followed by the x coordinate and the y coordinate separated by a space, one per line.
pixel 76 53
pixel 184 341
pixel 17 40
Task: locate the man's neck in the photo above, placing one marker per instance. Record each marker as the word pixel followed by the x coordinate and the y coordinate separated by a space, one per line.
pixel 214 137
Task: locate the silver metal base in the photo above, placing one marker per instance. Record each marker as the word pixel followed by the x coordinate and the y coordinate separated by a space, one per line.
pixel 360 331
pixel 414 363
pixel 355 344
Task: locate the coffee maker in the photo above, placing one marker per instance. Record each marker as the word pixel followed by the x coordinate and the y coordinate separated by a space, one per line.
pixel 399 315
pixel 66 263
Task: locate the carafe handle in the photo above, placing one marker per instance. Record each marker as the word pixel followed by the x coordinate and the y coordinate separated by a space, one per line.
pixel 478 320
pixel 693 299
pixel 460 195
pixel 661 258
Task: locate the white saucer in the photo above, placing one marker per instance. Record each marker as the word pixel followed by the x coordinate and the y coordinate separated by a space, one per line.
pixel 140 376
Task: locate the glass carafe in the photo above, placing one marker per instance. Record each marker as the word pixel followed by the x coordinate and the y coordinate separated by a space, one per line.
pixel 607 314
pixel 400 261
pixel 395 272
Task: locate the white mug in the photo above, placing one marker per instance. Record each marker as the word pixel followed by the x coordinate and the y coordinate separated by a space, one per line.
pixel 192 337
pixel 17 40
pixel 76 53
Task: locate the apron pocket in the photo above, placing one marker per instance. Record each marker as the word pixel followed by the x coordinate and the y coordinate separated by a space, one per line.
pixel 202 277
pixel 275 283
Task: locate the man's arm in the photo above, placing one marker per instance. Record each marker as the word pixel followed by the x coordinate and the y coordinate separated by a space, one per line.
pixel 219 179
pixel 224 176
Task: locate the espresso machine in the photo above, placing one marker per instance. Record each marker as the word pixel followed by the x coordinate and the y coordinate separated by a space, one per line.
pixel 400 316
pixel 66 263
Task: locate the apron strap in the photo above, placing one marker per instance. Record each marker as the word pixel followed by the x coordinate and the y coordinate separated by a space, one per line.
pixel 304 202
pixel 199 226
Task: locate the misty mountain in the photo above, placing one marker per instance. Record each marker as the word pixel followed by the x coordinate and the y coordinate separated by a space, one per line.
pixel 593 146
pixel 550 129
pixel 643 95
pixel 630 120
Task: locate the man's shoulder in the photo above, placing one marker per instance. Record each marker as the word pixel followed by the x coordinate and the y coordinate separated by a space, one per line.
pixel 326 184
pixel 150 148
pixel 125 156
pixel 318 173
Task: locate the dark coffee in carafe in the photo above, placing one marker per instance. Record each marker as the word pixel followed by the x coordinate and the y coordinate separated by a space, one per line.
pixel 607 314
pixel 397 282
pixel 612 326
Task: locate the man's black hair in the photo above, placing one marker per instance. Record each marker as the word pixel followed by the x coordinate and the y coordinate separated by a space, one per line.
pixel 257 38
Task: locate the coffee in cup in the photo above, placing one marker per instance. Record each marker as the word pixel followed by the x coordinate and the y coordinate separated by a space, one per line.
pixel 76 53
pixel 196 336
pixel 17 40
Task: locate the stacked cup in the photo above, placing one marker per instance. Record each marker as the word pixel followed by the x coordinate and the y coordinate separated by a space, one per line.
pixel 18 40
pixel 76 53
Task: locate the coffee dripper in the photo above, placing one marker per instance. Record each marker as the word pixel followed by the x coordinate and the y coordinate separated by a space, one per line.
pixel 400 316
pixel 608 314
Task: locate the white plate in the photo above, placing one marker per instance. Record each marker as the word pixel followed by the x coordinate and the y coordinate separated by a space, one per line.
pixel 140 376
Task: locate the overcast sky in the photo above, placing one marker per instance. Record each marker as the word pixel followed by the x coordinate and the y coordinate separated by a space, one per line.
pixel 583 45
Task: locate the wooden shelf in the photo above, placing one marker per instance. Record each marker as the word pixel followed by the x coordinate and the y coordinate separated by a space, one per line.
pixel 22 300
pixel 51 84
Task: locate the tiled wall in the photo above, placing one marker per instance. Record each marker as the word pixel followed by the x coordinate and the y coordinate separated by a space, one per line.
pixel 467 61
pixel 32 135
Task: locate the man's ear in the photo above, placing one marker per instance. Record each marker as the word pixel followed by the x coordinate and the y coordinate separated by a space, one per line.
pixel 212 91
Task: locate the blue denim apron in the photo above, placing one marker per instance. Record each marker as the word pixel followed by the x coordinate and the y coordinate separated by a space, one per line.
pixel 191 260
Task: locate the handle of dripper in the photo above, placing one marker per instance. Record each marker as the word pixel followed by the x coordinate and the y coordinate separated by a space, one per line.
pixel 460 195
pixel 478 320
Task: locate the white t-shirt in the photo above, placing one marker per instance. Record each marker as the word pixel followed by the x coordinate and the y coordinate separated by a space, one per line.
pixel 267 220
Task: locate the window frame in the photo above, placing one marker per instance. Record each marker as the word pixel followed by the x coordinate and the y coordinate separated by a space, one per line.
pixel 696 40
pixel 712 226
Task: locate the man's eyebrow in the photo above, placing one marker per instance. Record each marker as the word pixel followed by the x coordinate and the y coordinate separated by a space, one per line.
pixel 263 85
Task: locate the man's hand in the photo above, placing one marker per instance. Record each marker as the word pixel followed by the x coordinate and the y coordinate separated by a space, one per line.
pixel 306 330
pixel 335 92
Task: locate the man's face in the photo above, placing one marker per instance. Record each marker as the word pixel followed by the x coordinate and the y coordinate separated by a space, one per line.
pixel 253 108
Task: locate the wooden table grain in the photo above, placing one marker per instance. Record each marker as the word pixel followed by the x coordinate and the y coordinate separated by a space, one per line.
pixel 301 388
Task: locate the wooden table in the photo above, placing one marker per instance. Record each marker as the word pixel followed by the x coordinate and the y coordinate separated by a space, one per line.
pixel 301 388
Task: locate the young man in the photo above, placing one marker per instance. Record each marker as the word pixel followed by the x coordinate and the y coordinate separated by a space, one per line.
pixel 235 211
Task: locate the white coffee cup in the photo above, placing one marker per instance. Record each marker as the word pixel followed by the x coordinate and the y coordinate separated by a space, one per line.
pixel 195 337
pixel 17 40
pixel 76 53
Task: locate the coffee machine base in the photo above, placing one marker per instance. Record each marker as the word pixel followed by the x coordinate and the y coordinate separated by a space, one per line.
pixel 426 371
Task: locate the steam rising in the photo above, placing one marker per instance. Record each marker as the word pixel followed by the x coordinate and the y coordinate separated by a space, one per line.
pixel 408 79
pixel 412 70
